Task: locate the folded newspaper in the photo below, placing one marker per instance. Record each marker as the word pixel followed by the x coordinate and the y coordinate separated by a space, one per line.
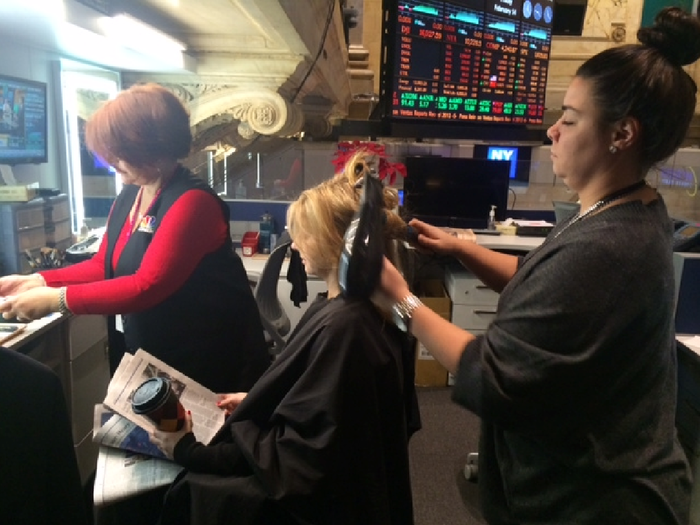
pixel 128 463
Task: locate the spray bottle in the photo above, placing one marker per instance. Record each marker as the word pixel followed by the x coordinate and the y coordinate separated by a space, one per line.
pixel 491 224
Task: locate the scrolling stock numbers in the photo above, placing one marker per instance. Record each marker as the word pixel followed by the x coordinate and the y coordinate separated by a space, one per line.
pixel 459 63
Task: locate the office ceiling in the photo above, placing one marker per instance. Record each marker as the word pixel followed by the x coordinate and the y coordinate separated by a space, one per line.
pixel 251 68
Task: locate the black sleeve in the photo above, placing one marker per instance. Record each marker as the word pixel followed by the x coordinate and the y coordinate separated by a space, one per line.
pixel 224 459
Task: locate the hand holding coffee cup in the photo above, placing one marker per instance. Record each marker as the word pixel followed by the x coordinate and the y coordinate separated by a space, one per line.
pixel 167 441
pixel 156 399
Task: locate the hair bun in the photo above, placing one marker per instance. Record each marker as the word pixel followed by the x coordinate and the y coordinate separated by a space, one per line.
pixel 356 167
pixel 361 163
pixel 675 34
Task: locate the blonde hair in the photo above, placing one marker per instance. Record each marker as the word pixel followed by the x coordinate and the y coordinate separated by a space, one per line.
pixel 317 220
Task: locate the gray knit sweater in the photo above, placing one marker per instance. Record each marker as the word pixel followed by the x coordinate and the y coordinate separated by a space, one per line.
pixel 575 380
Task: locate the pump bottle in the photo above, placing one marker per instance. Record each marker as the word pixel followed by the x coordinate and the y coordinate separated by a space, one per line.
pixel 491 224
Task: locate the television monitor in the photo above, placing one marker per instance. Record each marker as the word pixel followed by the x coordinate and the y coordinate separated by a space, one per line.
pixel 23 121
pixel 455 192
pixel 466 61
pixel 518 157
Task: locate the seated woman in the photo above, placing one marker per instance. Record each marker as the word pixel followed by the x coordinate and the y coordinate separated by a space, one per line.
pixel 322 437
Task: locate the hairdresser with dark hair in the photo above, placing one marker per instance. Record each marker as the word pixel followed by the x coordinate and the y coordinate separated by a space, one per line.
pixel 166 264
pixel 575 378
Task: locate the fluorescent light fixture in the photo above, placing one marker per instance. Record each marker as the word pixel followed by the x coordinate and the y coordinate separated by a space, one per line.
pixel 47 8
pixel 135 34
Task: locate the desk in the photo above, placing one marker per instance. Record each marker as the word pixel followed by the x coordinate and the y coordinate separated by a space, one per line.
pixel 509 242
pixel 75 347
pixel 255 264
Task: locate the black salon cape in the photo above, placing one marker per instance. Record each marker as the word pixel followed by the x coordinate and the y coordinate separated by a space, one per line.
pixel 322 438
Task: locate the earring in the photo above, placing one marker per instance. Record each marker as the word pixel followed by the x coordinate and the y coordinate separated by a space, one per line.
pixel 612 149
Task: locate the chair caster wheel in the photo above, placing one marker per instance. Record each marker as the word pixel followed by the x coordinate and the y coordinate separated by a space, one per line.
pixel 471 469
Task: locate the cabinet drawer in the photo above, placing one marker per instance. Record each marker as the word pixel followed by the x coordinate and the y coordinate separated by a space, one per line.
pixel 29 217
pixel 465 288
pixel 57 209
pixel 89 378
pixel 58 231
pixel 84 332
pixel 26 239
pixel 473 317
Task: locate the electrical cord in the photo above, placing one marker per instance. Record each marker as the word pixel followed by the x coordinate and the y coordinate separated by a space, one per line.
pixel 515 198
pixel 329 18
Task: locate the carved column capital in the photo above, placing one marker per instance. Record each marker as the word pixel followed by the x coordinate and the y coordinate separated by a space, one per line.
pixel 266 113
pixel 217 110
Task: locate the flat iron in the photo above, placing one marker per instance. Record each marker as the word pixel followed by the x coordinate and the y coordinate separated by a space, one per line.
pixel 363 249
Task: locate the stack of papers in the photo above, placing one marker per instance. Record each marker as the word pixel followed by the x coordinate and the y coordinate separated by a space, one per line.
pixel 521 223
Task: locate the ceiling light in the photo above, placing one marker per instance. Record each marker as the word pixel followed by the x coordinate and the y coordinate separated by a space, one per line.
pixel 131 32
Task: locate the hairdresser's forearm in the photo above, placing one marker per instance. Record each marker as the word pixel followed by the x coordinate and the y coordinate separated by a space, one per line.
pixel 444 340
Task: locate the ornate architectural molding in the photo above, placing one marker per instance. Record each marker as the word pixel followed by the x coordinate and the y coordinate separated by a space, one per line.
pixel 218 113
pixel 263 69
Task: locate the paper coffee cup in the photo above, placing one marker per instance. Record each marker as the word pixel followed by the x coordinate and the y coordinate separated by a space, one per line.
pixel 156 399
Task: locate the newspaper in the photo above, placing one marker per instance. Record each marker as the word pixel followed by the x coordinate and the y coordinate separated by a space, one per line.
pixel 112 430
pixel 122 473
pixel 133 370
pixel 126 464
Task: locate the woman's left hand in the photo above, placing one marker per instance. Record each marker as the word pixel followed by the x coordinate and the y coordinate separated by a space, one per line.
pixel 229 402
pixel 32 304
pixel 167 441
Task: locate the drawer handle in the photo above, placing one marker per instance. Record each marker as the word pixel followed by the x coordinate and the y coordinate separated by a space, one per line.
pixel 482 287
pixel 487 312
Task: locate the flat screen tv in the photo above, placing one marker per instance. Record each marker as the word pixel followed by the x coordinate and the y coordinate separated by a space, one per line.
pixel 455 192
pixel 463 62
pixel 23 121
pixel 518 157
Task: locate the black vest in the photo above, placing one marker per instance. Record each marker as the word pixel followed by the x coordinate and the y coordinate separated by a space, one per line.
pixel 210 328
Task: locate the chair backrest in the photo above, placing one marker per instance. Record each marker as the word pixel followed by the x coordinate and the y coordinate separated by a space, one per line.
pixel 40 480
pixel 274 319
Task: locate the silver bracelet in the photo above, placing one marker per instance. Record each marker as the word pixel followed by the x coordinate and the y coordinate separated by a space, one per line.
pixel 403 311
pixel 62 306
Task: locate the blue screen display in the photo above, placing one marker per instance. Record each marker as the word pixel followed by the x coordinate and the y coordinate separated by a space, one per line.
pixel 509 154
pixel 518 156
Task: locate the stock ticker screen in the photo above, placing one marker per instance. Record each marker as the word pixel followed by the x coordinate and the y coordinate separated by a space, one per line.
pixel 475 61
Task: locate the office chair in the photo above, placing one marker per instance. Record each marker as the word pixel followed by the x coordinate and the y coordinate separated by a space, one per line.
pixel 40 481
pixel 274 319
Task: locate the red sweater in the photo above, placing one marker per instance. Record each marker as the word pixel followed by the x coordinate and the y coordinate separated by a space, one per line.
pixel 192 228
